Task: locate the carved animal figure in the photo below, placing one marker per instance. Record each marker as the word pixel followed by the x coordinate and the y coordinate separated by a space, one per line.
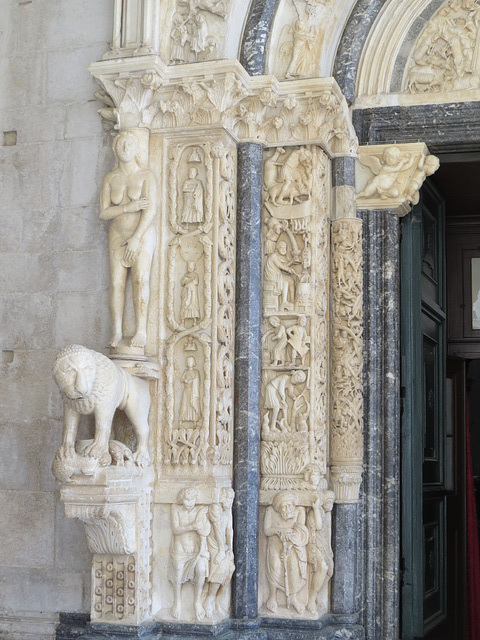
pixel 92 384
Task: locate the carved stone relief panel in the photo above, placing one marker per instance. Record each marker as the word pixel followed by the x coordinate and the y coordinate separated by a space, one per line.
pixel 446 55
pixel 295 361
pixel 198 30
pixel 193 522
pixel 305 37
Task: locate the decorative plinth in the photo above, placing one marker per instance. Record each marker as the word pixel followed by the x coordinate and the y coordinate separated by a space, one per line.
pixel 329 627
pixel 115 506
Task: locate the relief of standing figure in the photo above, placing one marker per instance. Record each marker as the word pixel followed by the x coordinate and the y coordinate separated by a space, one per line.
pixel 188 550
pixel 192 197
pixel 220 547
pixel 190 305
pixel 287 538
pixel 190 407
pixel 128 200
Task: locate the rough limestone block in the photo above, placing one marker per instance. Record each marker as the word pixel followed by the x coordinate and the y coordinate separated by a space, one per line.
pixel 26 529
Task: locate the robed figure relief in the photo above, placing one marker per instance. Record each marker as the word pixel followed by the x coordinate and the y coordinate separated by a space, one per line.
pixel 128 200
pixel 190 406
pixel 286 562
pixel 190 305
pixel 192 191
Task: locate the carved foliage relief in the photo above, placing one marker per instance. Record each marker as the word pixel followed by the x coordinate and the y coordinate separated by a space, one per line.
pixel 347 393
pixel 295 355
pixel 199 306
pixel 446 56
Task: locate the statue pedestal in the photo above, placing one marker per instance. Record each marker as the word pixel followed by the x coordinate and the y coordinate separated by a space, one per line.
pixel 115 506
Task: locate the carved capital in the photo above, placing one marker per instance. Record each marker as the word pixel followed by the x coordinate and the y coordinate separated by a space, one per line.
pixel 389 176
pixel 144 92
pixel 346 481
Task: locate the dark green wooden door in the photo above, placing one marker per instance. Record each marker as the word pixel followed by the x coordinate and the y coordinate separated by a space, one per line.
pixel 424 489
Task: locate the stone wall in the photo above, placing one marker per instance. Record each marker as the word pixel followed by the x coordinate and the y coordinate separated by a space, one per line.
pixel 53 289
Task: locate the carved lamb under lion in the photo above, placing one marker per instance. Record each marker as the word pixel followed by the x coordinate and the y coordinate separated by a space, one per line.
pixel 91 383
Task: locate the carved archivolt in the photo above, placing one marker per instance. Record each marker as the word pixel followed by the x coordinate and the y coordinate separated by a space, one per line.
pixel 446 55
pixel 347 365
pixel 221 93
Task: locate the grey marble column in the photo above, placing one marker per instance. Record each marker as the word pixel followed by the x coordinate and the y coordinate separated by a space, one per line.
pixel 381 522
pixel 247 380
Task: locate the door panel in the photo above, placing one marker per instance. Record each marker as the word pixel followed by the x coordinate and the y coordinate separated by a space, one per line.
pixel 423 323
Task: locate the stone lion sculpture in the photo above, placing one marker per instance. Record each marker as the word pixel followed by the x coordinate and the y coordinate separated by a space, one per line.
pixel 90 383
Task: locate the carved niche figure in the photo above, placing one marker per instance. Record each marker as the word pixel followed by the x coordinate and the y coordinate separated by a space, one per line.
pixel 220 547
pixel 192 198
pixel 386 170
pixel 128 200
pixel 286 561
pixel 190 407
pixel 278 274
pixel 91 383
pixel 190 305
pixel 320 554
pixel 276 392
pixel 188 550
pixel 298 340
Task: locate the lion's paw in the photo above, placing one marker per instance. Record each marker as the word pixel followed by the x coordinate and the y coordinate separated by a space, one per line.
pixel 96 450
pixel 142 458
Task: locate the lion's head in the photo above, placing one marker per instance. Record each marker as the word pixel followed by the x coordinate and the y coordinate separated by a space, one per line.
pixel 75 371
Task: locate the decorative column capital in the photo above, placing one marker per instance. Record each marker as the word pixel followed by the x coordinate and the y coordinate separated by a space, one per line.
pixel 144 92
pixel 389 176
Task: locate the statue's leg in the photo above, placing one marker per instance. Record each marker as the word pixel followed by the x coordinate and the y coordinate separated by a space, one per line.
pixel 103 428
pixel 141 296
pixel 177 601
pixel 118 278
pixel 137 408
pixel 318 579
pixel 200 575
pixel 210 604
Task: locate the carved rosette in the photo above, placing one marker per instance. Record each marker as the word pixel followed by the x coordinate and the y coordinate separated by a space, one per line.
pixel 116 511
pixel 295 357
pixel 347 359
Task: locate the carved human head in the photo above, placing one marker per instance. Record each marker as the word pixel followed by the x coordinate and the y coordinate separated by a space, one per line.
pixel 226 497
pixel 188 497
pixel 274 321
pixel 302 320
pixel 431 165
pixel 284 504
pixel 312 474
pixel 392 155
pixel 328 500
pixel 192 172
pixel 75 371
pixel 298 377
pixel 191 265
pixel 282 247
pixel 190 362
pixel 125 146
